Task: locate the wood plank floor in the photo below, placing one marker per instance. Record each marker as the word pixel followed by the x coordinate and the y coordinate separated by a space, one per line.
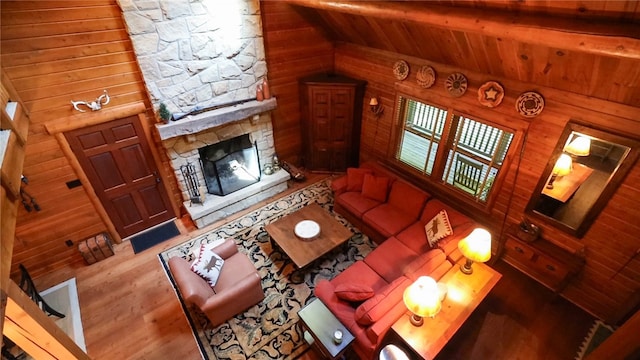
pixel 129 310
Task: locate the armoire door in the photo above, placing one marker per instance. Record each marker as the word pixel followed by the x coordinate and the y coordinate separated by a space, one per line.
pixel 118 162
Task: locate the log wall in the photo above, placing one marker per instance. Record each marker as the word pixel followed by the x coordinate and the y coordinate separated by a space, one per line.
pixel 54 52
pixel 608 284
pixel 294 49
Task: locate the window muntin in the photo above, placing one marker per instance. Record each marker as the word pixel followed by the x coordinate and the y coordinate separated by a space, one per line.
pixel 474 158
pixel 422 131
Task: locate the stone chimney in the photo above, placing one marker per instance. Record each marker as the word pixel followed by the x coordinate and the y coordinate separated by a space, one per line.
pixel 197 54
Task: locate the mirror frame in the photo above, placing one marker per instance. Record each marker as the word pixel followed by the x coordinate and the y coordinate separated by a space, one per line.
pixel 610 188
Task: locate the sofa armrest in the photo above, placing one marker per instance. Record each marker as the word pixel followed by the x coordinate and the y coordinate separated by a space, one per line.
pixel 376 331
pixel 193 288
pixel 339 185
pixel 227 249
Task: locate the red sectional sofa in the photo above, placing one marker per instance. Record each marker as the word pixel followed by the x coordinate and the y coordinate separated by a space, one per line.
pixel 367 296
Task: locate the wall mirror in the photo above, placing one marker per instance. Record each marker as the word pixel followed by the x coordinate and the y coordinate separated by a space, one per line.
pixel 585 169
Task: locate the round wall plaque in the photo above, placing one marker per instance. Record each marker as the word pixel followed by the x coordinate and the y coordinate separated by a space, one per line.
pixel 530 104
pixel 490 94
pixel 426 76
pixel 401 69
pixel 456 84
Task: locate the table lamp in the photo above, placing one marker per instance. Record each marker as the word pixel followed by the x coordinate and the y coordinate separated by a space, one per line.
pixel 422 299
pixel 579 146
pixel 561 168
pixel 475 247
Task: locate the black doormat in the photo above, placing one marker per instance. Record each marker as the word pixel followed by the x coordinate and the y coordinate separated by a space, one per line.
pixel 154 236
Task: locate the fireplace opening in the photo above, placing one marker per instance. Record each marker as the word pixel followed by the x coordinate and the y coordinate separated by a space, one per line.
pixel 230 165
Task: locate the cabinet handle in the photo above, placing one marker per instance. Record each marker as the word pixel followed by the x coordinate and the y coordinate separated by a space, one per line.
pixel 551 268
pixel 519 249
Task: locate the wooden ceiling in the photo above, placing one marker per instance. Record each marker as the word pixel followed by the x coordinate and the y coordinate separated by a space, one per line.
pixel 586 47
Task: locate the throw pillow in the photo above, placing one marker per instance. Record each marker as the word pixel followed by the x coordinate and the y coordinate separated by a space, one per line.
pixel 438 228
pixel 195 253
pixel 208 264
pixel 375 187
pixel 353 292
pixel 355 178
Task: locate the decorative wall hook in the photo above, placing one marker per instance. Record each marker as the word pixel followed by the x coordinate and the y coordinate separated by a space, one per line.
pixel 93 105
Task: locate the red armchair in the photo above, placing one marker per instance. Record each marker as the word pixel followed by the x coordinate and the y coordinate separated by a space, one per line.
pixel 237 289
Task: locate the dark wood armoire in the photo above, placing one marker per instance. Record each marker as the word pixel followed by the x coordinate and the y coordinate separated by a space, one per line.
pixel 332 114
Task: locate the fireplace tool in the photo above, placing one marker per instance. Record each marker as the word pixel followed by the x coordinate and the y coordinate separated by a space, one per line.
pixel 191 182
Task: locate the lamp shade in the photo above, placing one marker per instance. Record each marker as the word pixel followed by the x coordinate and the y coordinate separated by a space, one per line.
pixel 476 246
pixel 373 101
pixel 579 146
pixel 422 297
pixel 563 165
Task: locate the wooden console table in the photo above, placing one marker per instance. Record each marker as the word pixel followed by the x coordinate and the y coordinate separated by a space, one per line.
pixel 465 293
pixel 541 260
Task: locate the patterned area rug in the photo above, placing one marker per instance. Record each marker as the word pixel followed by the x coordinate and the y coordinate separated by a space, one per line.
pixel 598 333
pixel 267 330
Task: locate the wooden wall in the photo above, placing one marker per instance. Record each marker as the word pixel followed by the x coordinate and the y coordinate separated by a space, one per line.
pixel 54 52
pixel 294 49
pixel 607 287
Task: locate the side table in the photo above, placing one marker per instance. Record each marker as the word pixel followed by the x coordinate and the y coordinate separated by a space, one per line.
pixel 320 323
pixel 464 294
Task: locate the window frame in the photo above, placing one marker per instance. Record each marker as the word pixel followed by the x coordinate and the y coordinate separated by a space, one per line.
pixel 435 179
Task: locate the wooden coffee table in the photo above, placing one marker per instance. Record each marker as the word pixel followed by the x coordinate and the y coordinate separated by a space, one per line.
pixel 304 251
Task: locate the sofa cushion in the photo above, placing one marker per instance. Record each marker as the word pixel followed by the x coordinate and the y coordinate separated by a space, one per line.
pixel 387 220
pixel 208 264
pixel 360 273
pixel 407 198
pixel 355 178
pixel 356 203
pixel 375 187
pixel 390 258
pixel 373 309
pixel 438 228
pixel 353 292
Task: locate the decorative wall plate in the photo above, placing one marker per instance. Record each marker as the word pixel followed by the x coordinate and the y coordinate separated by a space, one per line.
pixel 490 94
pixel 426 76
pixel 401 69
pixel 456 84
pixel 530 104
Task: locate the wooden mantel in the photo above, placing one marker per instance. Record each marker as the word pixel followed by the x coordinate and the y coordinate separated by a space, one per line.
pixel 615 39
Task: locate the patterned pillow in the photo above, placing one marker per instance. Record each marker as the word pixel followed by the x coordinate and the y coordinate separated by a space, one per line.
pixel 208 264
pixel 438 228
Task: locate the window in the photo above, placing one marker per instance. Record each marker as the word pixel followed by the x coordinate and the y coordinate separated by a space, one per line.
pixel 475 150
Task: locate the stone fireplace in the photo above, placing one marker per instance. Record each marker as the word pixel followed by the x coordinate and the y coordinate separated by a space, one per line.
pixel 184 139
pixel 203 59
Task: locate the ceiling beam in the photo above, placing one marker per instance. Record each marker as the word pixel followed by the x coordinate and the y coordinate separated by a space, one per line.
pixel 599 37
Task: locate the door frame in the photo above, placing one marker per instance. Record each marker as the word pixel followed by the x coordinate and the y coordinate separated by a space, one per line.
pixel 58 127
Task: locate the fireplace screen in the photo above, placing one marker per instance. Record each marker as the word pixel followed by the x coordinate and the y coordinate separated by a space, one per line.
pixel 230 165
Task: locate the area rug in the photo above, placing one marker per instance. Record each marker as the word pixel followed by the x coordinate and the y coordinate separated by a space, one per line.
pixel 267 330
pixel 598 333
pixel 154 236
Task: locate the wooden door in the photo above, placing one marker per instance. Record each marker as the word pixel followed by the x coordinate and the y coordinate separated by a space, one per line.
pixel 118 162
pixel 331 118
